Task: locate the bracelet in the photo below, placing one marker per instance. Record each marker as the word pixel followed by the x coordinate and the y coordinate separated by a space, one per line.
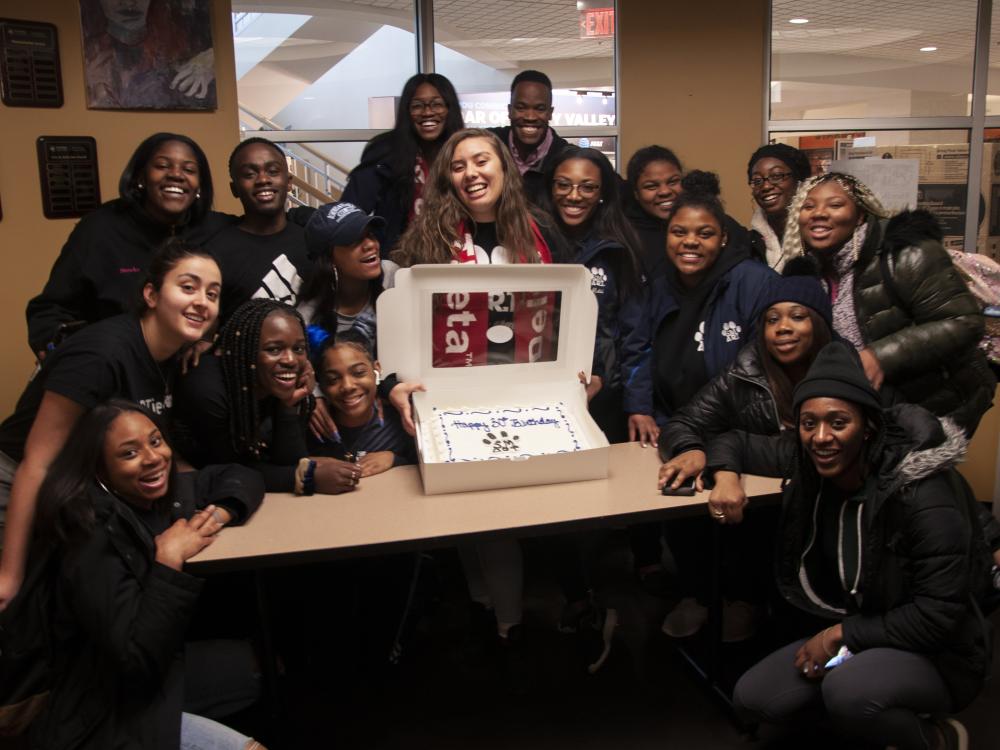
pixel 822 640
pixel 305 477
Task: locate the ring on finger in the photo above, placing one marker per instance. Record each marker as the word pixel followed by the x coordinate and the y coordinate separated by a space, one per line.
pixel 718 513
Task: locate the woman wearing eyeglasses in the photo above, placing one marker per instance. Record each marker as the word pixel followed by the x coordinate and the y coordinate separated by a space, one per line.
pixel 389 181
pixel 774 173
pixel 583 199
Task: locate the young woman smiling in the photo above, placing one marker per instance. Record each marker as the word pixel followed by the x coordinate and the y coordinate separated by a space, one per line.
pixel 165 191
pixel 878 538
pixel 129 356
pixel 120 527
pixel 391 179
pixel 251 401
pixel 583 198
pixel 774 173
pixel 896 296
pixel 753 394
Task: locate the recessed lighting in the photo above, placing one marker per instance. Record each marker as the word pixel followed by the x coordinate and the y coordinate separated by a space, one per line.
pixel 798 20
pixel 928 49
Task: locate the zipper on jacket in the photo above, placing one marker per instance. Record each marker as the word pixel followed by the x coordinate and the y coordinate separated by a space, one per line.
pixel 803 575
pixel 853 588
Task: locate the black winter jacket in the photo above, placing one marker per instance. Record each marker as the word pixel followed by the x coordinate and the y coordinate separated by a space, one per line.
pixel 738 398
pixel 374 189
pixel 119 621
pixel 926 332
pixel 922 555
pixel 102 265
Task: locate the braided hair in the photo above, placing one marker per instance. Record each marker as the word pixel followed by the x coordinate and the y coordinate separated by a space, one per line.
pixel 238 346
pixel 861 194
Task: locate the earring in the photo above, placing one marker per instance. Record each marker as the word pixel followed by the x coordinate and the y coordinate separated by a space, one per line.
pixel 378 378
pixel 140 186
pixel 197 195
pixel 336 279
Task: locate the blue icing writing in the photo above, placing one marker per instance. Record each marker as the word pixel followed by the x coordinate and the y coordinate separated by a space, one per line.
pixel 534 422
pixel 471 425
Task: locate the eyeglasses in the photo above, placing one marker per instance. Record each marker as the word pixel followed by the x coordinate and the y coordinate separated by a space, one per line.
pixel 586 189
pixel 775 178
pixel 419 106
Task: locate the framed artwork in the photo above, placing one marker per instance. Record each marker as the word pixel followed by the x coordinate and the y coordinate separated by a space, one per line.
pixel 148 54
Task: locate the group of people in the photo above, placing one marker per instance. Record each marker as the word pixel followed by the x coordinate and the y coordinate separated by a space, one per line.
pixel 190 361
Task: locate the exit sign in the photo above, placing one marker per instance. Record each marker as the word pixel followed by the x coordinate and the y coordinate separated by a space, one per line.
pixel 597 22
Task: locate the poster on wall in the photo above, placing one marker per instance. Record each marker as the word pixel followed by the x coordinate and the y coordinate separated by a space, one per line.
pixel 148 54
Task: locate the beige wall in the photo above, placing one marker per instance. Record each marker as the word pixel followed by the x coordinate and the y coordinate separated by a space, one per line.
pixel 30 242
pixel 691 77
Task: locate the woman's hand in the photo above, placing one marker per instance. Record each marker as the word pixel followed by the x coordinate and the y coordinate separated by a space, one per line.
pixel 399 397
pixel 333 476
pixel 303 386
pixel 873 368
pixel 727 501
pixel 593 386
pixel 643 428
pixel 817 651
pixel 321 423
pixel 682 467
pixel 186 538
pixel 191 356
pixel 376 463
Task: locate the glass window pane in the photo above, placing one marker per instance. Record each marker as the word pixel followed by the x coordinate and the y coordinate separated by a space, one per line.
pixel 322 69
pixel 856 58
pixel 319 170
pixel 993 82
pixel 988 241
pixel 481 47
pixel 941 165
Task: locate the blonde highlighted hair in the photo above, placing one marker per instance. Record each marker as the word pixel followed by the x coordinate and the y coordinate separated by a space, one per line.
pixel 857 191
pixel 432 236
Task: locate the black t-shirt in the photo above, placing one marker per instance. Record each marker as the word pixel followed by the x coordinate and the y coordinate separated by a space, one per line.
pixel 260 266
pixel 106 359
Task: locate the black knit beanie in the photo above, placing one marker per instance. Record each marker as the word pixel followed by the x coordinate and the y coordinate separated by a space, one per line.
pixel 794 159
pixel 836 373
pixel 804 290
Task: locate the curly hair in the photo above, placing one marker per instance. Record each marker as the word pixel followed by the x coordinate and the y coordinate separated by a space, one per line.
pixel 432 236
pixel 861 194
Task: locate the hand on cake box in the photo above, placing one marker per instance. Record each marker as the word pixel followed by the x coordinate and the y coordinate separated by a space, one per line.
pixel 593 386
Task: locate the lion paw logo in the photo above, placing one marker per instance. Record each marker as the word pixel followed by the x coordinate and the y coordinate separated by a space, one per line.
pixel 503 444
pixel 699 336
pixel 731 332
pixel 598 280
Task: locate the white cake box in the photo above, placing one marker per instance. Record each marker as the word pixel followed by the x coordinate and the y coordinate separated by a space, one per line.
pixel 498 348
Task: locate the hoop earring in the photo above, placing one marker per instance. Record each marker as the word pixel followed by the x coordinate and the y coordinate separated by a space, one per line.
pixel 336 278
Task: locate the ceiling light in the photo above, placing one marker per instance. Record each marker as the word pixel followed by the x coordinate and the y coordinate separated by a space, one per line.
pixel 798 20
pixel 928 49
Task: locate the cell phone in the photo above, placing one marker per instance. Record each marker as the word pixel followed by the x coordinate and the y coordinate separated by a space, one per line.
pixel 685 490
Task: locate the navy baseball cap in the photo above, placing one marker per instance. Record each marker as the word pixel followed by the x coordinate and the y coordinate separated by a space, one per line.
pixel 337 224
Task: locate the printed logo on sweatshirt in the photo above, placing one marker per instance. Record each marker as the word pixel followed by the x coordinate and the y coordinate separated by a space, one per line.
pixel 598 280
pixel 281 283
pixel 731 332
pixel 133 269
pixel 699 336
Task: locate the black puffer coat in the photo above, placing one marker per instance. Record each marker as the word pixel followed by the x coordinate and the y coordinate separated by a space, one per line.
pixel 738 398
pixel 374 189
pixel 924 327
pixel 922 554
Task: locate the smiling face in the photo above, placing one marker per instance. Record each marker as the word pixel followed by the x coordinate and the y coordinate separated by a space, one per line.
pixel 530 110
pixel 428 111
pixel 136 460
pixel 478 177
pixel 260 180
pixel 828 218
pixel 658 187
pixel 170 182
pixel 773 199
pixel 281 358
pixel 788 332
pixel 187 302
pixel 359 261
pixel 694 241
pixel 349 384
pixel 832 432
pixel 576 191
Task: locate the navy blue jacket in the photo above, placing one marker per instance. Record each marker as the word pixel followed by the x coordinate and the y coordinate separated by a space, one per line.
pixel 734 307
pixel 615 317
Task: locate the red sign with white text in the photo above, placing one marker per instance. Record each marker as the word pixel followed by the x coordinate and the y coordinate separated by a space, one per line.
pixel 597 22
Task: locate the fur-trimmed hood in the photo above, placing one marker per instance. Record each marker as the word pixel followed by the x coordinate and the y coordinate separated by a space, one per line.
pixel 914 445
pixel 911 228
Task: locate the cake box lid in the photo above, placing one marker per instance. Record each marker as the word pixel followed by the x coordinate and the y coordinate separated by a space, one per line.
pixel 515 324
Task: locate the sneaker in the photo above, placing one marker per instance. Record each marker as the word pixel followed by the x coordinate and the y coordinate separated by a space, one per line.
pixel 953 734
pixel 685 619
pixel 739 621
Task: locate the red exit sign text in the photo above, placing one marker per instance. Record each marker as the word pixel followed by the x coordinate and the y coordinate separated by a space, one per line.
pixel 597 22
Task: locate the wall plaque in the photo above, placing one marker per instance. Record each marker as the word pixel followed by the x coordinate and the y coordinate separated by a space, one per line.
pixel 67 170
pixel 29 64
